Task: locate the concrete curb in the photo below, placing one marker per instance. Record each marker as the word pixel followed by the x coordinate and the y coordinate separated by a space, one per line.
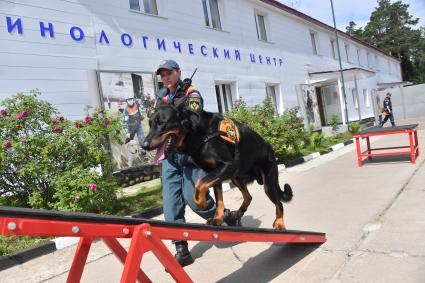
pixel 8 261
pixel 313 155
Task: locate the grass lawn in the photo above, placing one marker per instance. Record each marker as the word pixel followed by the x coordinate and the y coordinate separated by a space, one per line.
pixel 131 200
pixel 11 244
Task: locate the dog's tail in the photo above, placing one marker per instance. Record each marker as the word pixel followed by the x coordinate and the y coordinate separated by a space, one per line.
pixel 286 195
pixel 272 182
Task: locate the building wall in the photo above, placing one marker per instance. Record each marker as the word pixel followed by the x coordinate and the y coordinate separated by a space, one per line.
pixel 60 67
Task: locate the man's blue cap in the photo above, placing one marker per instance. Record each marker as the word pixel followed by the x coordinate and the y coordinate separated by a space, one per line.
pixel 167 64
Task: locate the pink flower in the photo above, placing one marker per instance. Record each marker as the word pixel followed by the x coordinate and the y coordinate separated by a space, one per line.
pixel 3 112
pixel 77 197
pixel 106 121
pixel 54 120
pixel 93 187
pixel 18 116
pixel 24 113
pixel 7 144
pixel 57 130
pixel 87 119
pixel 61 118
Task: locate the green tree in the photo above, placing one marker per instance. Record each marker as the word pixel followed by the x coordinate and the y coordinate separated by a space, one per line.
pixel 43 156
pixel 392 28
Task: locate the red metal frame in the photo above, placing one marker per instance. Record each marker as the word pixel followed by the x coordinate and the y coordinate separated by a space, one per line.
pixel 413 145
pixel 144 237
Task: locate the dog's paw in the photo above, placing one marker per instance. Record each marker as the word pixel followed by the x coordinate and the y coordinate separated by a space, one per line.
pixel 215 221
pixel 278 224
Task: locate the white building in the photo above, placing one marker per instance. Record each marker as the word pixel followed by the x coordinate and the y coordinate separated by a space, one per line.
pixel 242 48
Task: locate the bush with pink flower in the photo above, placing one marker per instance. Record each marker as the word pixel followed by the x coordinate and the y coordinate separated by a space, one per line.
pixel 46 160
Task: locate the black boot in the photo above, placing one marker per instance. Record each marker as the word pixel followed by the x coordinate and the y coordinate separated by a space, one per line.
pixel 183 255
pixel 230 218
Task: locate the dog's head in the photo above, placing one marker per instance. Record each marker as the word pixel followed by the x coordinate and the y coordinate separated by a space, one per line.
pixel 169 124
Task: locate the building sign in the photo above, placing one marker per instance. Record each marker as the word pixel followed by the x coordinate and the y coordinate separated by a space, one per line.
pixel 128 96
pixel 47 29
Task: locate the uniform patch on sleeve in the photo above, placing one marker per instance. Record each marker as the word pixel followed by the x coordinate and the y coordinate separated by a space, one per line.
pixel 194 103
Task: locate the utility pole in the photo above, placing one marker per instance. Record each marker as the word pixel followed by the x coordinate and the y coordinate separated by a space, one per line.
pixel 340 63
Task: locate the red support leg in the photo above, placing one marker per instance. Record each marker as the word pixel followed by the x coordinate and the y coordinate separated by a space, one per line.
pixel 121 254
pixel 80 257
pixel 412 148
pixel 134 257
pixel 359 153
pixel 168 260
pixel 368 148
pixel 416 143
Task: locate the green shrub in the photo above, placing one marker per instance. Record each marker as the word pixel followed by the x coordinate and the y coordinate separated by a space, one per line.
pixel 42 151
pixel 335 122
pixel 285 132
pixel 355 127
pixel 316 141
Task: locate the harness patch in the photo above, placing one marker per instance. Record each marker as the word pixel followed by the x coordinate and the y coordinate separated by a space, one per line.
pixel 194 103
pixel 228 130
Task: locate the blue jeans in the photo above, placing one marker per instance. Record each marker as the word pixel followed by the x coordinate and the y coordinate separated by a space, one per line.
pixel 178 188
pixel 389 116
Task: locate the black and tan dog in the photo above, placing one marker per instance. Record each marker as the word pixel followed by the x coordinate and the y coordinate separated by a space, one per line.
pixel 225 149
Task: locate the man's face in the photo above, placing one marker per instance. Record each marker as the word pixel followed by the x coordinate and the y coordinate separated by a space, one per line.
pixel 170 77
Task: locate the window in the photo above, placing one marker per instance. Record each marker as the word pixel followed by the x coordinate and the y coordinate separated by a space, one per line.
pixel 333 48
pixel 271 92
pixel 347 51
pixel 376 63
pixel 148 6
pixel 261 27
pixel 355 101
pixel 211 13
pixel 358 57
pixel 223 93
pixel 366 98
pixel 313 37
pixel 369 61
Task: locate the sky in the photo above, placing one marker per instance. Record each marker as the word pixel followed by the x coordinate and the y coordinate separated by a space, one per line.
pixel 358 11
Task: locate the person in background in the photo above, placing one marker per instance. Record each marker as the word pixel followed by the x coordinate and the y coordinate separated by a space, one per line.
pixel 388 111
pixel 132 122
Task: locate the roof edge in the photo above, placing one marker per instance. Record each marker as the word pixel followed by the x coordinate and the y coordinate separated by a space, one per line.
pixel 310 19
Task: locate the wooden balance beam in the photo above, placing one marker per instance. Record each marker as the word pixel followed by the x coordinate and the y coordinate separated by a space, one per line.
pixel 146 235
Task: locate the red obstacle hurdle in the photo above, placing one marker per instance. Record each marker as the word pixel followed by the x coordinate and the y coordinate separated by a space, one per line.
pixel 146 235
pixel 410 130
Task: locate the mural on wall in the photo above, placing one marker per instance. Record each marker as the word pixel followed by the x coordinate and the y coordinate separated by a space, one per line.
pixel 129 96
pixel 308 101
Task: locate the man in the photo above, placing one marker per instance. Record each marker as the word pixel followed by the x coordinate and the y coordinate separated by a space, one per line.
pixel 179 175
pixel 132 121
pixel 388 111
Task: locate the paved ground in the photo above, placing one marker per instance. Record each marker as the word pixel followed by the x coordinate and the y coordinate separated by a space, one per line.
pixel 373 216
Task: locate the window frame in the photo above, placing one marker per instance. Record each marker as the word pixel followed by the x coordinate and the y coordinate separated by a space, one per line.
pixel 366 97
pixel 141 4
pixel 275 88
pixel 224 96
pixel 208 16
pixel 347 52
pixel 333 49
pixel 314 42
pixel 258 28
pixel 355 100
pixel 359 56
